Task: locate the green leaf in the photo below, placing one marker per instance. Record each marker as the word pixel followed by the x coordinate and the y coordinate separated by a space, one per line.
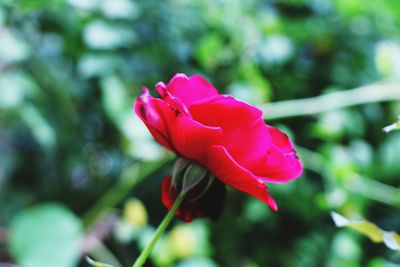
pixel 389 153
pixel 370 230
pixel 350 8
pixel 393 126
pixel 197 261
pixel 123 9
pixel 15 87
pixel 103 35
pixel 209 50
pixel 40 5
pixel 253 86
pixel 115 99
pixel 95 64
pixel 96 263
pixel 46 236
pixel 40 127
pixel 13 48
pixel 89 5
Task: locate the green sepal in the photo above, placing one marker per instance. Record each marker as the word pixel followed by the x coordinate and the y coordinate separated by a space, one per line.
pixel 177 172
pixel 193 176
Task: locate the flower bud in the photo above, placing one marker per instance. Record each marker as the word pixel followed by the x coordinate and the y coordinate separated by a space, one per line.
pixel 190 177
pixel 204 195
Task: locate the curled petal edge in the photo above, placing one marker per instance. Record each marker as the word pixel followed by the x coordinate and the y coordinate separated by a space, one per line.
pixel 175 130
pixel 188 90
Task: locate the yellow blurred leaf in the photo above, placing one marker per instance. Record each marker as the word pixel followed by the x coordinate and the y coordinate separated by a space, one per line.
pixel 370 230
pixel 135 213
pixel 183 241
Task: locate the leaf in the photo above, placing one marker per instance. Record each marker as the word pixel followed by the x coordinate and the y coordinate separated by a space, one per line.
pixel 13 48
pixel 46 236
pixel 371 230
pixel 197 261
pixel 116 101
pixel 209 50
pixel 43 132
pixel 387 56
pixel 15 88
pixel 393 126
pixel 96 263
pixel 103 35
pixel 95 64
pixel 123 9
pixel 40 5
pixel 389 156
pixel 135 213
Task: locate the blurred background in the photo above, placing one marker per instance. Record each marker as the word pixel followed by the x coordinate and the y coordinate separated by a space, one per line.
pixel 80 174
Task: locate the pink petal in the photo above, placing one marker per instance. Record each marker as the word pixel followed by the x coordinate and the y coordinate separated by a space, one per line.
pixel 175 130
pixel 227 170
pixel 192 139
pixel 282 163
pixel 170 99
pixel 147 108
pixel 188 89
pixel 263 150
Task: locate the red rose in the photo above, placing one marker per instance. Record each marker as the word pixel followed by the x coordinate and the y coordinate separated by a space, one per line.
pixel 225 135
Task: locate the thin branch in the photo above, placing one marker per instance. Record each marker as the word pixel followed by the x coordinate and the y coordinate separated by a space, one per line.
pixel 331 101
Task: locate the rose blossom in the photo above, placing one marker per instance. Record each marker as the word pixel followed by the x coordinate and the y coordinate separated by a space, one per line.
pixel 226 136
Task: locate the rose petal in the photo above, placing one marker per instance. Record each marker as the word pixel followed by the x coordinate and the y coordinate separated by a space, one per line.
pixel 245 134
pixel 170 99
pixel 227 170
pixel 191 139
pixel 282 163
pixel 146 107
pixel 258 147
pixel 168 196
pixel 174 130
pixel 188 90
pixel 281 140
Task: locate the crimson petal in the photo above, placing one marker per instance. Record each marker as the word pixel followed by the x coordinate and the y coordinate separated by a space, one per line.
pixel 258 147
pixel 147 108
pixel 189 90
pixel 208 205
pixel 227 170
pixel 282 163
pixel 175 130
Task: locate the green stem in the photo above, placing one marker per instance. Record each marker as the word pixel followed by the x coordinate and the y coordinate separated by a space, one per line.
pixel 160 230
pixel 332 101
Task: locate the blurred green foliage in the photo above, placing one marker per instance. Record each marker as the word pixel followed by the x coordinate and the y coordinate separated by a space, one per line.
pixel 45 236
pixel 71 69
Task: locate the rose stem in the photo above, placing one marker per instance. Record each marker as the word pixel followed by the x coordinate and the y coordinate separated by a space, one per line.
pixel 160 230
